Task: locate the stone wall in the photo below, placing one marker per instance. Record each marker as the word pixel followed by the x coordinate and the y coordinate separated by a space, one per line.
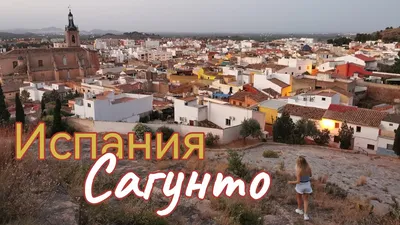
pixel 382 92
pixel 226 135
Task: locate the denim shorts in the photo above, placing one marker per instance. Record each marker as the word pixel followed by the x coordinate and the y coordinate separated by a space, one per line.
pixel 304 188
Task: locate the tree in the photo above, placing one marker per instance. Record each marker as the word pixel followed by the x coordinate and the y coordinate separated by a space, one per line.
pixel 322 137
pixel 25 95
pixel 250 127
pixel 51 96
pixel 57 123
pixel 306 128
pixel 43 108
pixel 19 110
pixel 345 136
pixel 396 145
pixel 4 114
pixel 282 128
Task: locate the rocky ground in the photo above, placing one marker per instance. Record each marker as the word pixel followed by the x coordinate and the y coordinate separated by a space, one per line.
pixel 62 206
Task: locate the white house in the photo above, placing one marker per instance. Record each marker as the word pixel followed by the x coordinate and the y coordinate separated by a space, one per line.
pixel 350 59
pixel 387 134
pixel 192 110
pixel 365 122
pixel 295 66
pixel 114 108
pixel 322 100
pixel 36 90
pixel 329 65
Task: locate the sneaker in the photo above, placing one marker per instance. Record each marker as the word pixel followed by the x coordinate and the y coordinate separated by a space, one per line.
pixel 306 218
pixel 299 211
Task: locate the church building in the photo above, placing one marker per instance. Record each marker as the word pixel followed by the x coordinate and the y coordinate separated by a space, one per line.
pixel 70 62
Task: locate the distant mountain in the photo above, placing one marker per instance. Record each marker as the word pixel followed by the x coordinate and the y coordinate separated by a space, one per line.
pixel 130 35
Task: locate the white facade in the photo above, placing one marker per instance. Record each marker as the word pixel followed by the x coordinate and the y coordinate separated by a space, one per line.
pixel 114 108
pixel 151 44
pixel 190 112
pixel 36 90
pixel 329 65
pixel 316 101
pixel 251 60
pixel 351 59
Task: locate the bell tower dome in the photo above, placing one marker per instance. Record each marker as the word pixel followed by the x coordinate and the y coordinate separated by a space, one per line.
pixel 72 32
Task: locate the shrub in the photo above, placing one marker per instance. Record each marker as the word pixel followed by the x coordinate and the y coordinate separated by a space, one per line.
pixel 166 131
pixel 141 129
pixel 211 139
pixel 144 119
pixel 322 137
pixel 236 166
pixel 270 154
pixel 249 217
pixel 335 190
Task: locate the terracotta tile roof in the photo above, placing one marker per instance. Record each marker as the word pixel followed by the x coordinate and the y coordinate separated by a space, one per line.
pixel 382 107
pixel 242 95
pixel 279 83
pixel 394 118
pixel 189 98
pixel 271 92
pixel 304 112
pixel 121 100
pixel 365 58
pixel 354 115
pixel 327 94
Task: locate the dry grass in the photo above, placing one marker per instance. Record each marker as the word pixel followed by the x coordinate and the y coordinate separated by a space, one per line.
pixel 361 181
pixel 270 154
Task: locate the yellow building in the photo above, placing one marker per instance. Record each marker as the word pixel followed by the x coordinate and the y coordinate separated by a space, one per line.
pixel 271 108
pixel 203 74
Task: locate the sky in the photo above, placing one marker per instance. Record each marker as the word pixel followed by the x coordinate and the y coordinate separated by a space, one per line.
pixel 205 16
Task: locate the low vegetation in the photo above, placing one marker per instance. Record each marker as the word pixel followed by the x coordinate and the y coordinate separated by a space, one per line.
pixel 211 140
pixel 166 131
pixel 140 130
pixel 270 154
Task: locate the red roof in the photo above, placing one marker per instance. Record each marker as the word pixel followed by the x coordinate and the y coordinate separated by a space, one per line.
pixel 365 58
pixel 341 108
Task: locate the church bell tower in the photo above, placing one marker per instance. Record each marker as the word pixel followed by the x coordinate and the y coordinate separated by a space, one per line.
pixel 72 32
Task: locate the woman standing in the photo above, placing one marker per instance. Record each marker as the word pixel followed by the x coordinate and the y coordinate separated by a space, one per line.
pixel 303 185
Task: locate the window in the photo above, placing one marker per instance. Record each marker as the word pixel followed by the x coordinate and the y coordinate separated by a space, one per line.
pixel 40 63
pixel 390 124
pixel 299 67
pixel 240 103
pixel 89 105
pixel 312 99
pixel 234 102
pixel 389 146
pixel 371 147
pixel 358 129
pixel 15 64
pixel 336 139
pixel 227 122
pixel 323 99
pixel 64 60
pixel 336 125
pixel 73 39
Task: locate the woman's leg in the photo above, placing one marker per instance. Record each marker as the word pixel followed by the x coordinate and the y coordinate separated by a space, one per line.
pixel 305 200
pixel 299 201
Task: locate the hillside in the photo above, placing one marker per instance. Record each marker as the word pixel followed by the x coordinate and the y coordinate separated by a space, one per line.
pixel 391 35
pixel 130 35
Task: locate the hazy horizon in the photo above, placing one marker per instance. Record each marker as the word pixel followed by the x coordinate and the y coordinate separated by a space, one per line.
pixel 206 16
